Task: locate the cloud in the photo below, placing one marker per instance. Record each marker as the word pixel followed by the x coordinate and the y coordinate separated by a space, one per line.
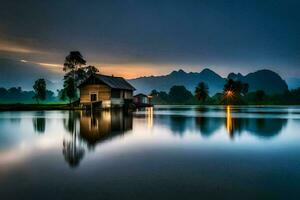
pixel 49 66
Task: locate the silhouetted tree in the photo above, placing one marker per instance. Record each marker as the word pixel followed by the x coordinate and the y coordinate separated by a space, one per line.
pixel 233 90
pixel 201 92
pixel 73 62
pixel 40 90
pixel 179 94
pixel 154 93
pixel 69 91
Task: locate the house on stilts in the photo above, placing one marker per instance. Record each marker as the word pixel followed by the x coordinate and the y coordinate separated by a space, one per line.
pixel 105 92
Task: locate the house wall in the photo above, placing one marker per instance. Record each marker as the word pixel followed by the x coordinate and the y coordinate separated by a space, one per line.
pixel 103 92
pixel 128 94
pixel 141 100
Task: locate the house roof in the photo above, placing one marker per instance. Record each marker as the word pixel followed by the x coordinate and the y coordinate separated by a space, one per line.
pixel 140 94
pixel 112 82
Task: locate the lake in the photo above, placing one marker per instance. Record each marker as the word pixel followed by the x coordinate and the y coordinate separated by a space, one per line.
pixel 166 152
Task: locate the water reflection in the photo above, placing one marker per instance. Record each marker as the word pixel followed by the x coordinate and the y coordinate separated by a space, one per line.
pixel 201 121
pixel 39 122
pixel 73 149
pixel 89 129
pixel 208 149
pixel 208 125
pixel 261 127
pixel 100 126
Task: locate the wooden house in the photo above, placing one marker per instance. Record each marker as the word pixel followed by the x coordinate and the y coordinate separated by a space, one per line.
pixel 105 91
pixel 142 100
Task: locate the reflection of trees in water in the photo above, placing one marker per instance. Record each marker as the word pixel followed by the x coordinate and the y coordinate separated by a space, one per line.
pixel 71 122
pixel 39 122
pixel 73 149
pixel 208 125
pixel 266 127
pixel 178 124
pixel 261 127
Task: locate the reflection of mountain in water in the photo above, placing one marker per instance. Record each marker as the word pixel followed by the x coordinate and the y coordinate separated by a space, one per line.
pixel 208 125
pixel 88 130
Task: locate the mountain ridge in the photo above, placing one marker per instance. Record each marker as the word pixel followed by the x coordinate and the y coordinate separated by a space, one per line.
pixel 267 80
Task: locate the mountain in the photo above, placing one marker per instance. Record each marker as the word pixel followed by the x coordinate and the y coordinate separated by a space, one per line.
pixel 266 80
pixel 180 77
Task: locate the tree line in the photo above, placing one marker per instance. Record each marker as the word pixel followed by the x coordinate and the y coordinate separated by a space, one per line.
pixel 17 95
pixel 234 93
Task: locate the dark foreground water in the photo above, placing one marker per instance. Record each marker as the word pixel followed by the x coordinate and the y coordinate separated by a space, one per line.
pixel 160 153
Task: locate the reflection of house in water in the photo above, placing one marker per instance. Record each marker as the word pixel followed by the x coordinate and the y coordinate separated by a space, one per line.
pixel 101 126
pixel 90 129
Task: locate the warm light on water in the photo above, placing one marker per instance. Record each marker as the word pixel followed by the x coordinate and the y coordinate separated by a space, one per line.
pixel 228 120
pixel 205 152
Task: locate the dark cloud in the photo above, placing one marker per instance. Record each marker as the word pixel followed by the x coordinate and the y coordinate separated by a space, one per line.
pixel 234 34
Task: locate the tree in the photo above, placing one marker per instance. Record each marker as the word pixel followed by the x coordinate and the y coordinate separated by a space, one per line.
pixel 202 92
pixel 70 90
pixel 72 64
pixel 85 72
pixel 73 61
pixel 179 94
pixel 233 90
pixel 154 93
pixel 39 89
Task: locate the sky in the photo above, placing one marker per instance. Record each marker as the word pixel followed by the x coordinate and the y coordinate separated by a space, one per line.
pixel 133 38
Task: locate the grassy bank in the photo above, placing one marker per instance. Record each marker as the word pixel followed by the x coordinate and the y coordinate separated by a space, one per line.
pixel 29 107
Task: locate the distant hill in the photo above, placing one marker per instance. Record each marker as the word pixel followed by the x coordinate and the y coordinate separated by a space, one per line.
pixel 265 80
pixel 189 80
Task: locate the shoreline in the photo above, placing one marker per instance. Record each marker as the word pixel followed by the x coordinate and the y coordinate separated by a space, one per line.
pixel 40 107
pixel 34 107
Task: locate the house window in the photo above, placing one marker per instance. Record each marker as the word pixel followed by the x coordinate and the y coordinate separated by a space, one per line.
pixel 93 97
pixel 115 93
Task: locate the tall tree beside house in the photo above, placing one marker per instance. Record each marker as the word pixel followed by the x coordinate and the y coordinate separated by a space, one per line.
pixel 70 90
pixel 84 72
pixel 39 89
pixel 76 72
pixel 202 91
pixel 73 62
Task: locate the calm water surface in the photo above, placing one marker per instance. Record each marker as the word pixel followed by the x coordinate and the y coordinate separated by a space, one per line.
pixel 167 152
